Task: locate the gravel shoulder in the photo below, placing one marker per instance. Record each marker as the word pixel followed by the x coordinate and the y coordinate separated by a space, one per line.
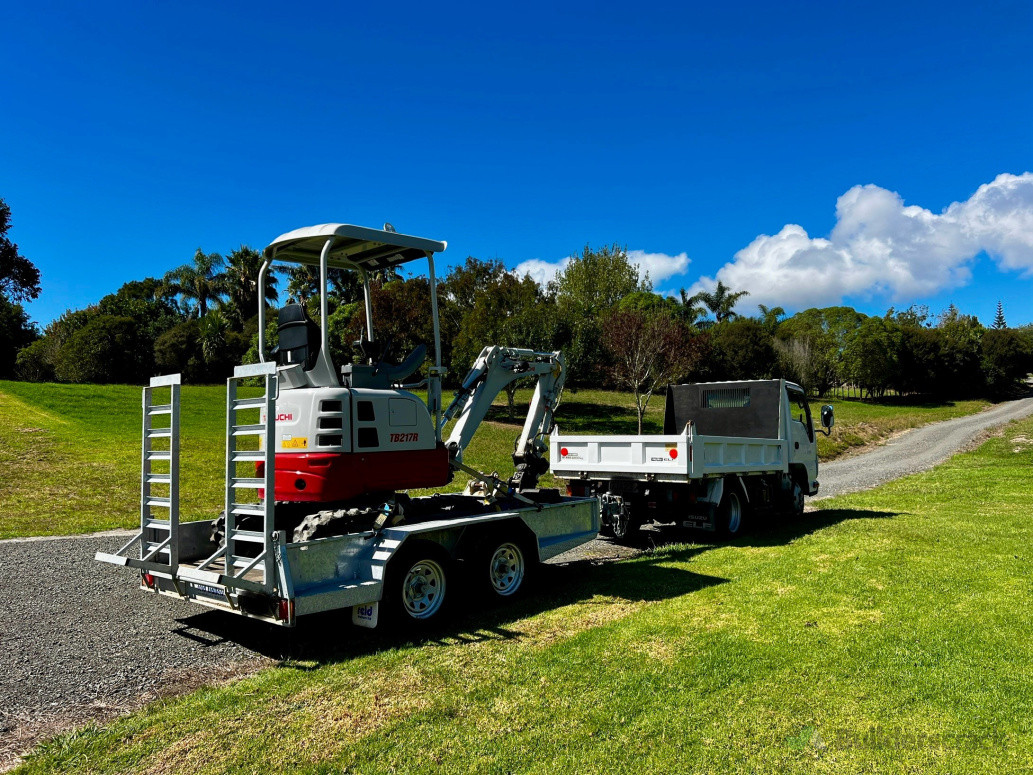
pixel 915 450
pixel 80 642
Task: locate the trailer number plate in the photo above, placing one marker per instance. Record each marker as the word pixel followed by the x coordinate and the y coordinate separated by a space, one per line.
pixel 365 615
pixel 207 591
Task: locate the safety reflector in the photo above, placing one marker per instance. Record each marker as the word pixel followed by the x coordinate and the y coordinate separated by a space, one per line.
pixel 285 610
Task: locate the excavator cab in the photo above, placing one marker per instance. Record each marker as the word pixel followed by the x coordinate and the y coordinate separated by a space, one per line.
pixel 349 431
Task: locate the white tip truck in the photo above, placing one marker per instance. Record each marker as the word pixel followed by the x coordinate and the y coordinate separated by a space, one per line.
pixel 730 451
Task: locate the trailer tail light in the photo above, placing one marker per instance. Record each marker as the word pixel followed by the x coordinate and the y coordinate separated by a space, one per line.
pixel 148 580
pixel 284 609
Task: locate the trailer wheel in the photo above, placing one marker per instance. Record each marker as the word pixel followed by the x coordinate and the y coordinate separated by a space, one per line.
pixel 416 587
pixel 507 568
pixel 731 512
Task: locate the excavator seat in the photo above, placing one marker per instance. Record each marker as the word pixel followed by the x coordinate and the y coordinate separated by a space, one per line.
pixel 299 337
pixel 382 375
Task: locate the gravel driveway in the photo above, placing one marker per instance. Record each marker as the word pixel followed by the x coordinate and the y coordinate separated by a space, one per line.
pixel 914 451
pixel 79 641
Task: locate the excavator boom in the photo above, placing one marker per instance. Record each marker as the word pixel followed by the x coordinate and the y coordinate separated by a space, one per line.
pixel 495 368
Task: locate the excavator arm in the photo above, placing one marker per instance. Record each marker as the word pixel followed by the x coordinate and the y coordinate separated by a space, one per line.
pixel 495 368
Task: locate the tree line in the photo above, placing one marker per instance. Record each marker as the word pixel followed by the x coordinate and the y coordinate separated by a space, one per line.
pixel 200 319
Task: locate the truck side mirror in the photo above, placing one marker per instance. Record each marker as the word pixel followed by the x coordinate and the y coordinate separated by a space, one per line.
pixel 828 418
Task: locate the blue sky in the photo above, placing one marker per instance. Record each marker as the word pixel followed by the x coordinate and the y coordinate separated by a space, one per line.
pixel 137 132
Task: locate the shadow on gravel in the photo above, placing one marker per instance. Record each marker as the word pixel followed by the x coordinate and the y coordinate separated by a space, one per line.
pixel 646 576
pixel 331 637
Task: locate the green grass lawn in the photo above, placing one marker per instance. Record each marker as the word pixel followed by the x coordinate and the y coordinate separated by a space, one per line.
pixel 70 454
pixel 886 632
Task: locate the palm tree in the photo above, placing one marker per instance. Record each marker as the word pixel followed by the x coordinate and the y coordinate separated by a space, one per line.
pixel 721 302
pixel 198 284
pixel 241 283
pixel 303 283
pixel 213 335
pixel 691 311
pixel 771 317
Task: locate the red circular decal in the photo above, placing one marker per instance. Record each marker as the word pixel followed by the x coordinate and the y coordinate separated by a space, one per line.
pixel 673 453
pixel 563 451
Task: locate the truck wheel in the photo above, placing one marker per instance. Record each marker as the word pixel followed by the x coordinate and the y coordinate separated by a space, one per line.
pixel 731 513
pixel 796 500
pixel 416 587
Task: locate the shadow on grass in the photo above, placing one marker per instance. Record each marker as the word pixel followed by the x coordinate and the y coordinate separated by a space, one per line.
pixel 785 530
pixel 921 402
pixel 775 530
pixel 1006 393
pixel 576 417
pixel 646 576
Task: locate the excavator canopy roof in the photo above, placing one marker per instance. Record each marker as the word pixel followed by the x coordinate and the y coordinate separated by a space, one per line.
pixel 353 246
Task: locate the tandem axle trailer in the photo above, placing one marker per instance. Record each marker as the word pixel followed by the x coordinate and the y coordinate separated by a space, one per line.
pixel 402 564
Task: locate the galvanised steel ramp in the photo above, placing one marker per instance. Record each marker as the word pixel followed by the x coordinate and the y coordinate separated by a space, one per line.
pixel 157 548
pixel 156 544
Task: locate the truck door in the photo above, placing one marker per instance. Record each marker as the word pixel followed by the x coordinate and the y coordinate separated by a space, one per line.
pixel 803 450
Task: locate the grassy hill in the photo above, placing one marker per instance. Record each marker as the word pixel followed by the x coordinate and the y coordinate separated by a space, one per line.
pixel 70 454
pixel 886 632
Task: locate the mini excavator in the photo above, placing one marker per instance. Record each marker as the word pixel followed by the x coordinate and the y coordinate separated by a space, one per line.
pixel 350 439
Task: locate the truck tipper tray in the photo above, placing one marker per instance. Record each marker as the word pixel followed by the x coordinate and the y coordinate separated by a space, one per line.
pixel 730 452
pixel 664 458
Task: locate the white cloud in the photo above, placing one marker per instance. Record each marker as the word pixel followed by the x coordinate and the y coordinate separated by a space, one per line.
pixel 882 247
pixel 660 266
pixel 999 216
pixel 542 271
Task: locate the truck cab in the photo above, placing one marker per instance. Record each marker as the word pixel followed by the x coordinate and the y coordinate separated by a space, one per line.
pixel 803 452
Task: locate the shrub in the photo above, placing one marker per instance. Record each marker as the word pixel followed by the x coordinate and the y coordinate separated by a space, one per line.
pixel 15 333
pixel 107 349
pixel 178 350
pixel 36 362
pixel 1005 360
